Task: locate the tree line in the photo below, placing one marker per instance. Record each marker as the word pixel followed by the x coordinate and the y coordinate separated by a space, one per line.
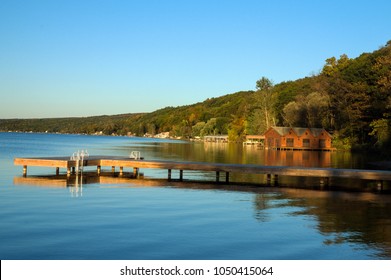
pixel 351 98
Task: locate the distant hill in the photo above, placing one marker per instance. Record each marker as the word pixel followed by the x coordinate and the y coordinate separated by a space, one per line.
pixel 89 125
pixel 177 120
pixel 350 98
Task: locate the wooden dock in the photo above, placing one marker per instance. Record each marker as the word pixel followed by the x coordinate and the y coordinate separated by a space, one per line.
pixel 271 172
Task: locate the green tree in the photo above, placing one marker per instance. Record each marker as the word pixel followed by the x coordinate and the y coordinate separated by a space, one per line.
pixel 381 128
pixel 349 105
pixel 210 127
pixel 255 123
pixel 294 114
pixel 264 84
pixel 308 111
pixel 317 108
pixel 264 103
pixel 236 130
pixel 151 128
pixel 197 129
pixel 334 65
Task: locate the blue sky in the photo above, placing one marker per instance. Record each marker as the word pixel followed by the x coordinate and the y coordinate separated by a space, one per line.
pixel 63 58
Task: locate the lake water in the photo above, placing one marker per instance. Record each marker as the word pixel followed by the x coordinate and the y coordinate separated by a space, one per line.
pixel 114 218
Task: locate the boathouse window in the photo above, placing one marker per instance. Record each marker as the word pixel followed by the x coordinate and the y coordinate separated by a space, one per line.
pixel 270 142
pixel 289 142
pixel 306 143
pixel 322 143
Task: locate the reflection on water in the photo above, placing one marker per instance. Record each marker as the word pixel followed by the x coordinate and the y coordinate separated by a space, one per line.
pixel 74 180
pixel 237 153
pixel 348 218
pixel 298 158
pixel 77 190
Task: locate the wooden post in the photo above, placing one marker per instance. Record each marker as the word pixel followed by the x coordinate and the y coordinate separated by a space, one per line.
pixel 268 179
pixel 57 171
pixel 135 172
pixel 98 169
pixel 217 176
pixel 324 182
pixel 24 170
pixel 73 170
pixel 380 186
pixel 276 179
pixel 227 177
pixel 181 175
pixel 69 171
pixel 113 170
pixel 121 170
pixel 169 174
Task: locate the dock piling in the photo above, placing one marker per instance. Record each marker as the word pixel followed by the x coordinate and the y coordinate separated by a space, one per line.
pixel 380 186
pixel 135 172
pixel 276 180
pixel 324 182
pixel 268 179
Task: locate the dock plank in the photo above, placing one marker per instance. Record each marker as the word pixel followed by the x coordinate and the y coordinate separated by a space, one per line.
pixel 47 162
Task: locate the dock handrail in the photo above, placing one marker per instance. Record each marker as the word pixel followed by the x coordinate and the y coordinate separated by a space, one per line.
pixel 79 157
pixel 135 155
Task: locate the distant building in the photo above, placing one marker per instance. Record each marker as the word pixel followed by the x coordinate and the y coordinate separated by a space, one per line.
pixel 162 135
pixel 254 140
pixel 216 138
pixel 297 138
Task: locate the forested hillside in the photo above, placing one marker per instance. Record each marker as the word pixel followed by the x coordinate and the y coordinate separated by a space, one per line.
pixel 350 97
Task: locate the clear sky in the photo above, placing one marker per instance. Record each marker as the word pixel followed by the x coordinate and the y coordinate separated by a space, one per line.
pixel 63 58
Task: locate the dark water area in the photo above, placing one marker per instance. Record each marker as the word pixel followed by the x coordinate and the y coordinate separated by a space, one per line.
pixel 48 217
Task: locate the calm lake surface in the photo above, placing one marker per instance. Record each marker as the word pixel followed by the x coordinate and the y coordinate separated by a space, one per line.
pixel 116 218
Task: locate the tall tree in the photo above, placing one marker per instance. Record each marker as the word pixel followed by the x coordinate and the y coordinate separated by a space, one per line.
pixel 349 103
pixel 308 111
pixel 236 130
pixel 264 84
pixel 264 102
pixel 383 67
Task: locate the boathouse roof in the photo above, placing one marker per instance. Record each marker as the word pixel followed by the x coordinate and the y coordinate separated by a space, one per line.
pixel 299 131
